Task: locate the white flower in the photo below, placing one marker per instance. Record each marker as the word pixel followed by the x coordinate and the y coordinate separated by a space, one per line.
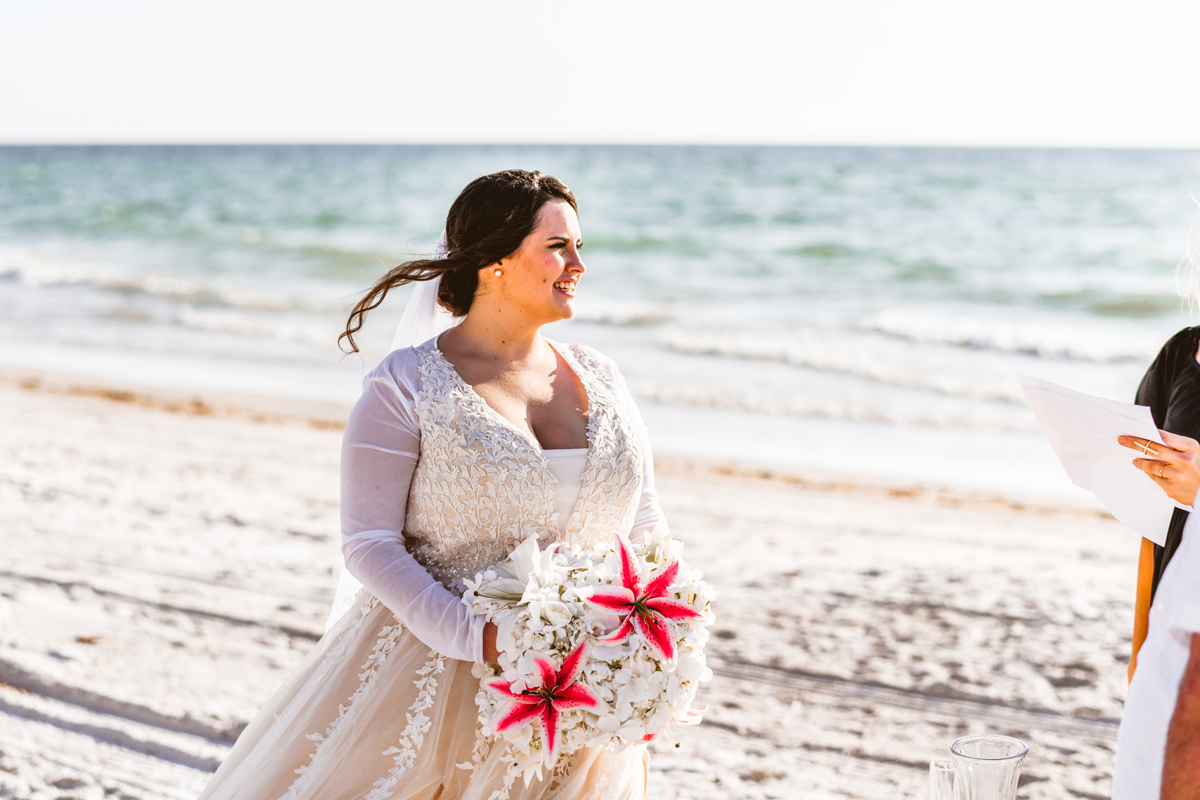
pixel 556 614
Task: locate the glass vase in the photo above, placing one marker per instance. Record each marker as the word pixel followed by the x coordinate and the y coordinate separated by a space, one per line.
pixel 943 775
pixel 989 766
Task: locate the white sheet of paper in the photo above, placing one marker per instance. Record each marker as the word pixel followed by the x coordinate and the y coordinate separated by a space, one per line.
pixel 1083 431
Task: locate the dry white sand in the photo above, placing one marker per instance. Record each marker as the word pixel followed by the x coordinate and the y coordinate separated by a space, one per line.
pixel 162 567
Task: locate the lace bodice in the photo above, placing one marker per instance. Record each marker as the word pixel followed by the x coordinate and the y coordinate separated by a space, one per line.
pixel 481 486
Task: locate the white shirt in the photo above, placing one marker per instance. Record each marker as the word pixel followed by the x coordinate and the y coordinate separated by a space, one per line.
pixel 1174 617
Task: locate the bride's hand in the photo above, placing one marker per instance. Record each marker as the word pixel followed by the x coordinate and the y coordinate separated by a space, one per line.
pixel 490 654
pixel 1176 467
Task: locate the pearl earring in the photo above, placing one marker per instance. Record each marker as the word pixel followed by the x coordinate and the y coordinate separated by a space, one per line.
pixel 497 273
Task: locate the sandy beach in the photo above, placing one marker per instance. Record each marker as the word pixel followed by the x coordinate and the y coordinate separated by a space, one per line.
pixel 164 562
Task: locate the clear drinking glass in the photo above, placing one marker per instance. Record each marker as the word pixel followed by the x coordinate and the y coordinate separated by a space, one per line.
pixel 988 766
pixel 942 780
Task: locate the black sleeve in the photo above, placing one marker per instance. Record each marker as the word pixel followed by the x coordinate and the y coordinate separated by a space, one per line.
pixel 1155 392
pixel 1155 389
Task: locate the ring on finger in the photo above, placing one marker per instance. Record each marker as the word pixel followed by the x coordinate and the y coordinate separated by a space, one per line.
pixel 1161 469
pixel 1146 449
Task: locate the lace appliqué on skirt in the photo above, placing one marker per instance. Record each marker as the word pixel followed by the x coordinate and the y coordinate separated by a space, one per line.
pixel 414 733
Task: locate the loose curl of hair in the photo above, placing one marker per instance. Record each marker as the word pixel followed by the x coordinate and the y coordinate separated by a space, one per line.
pixel 486 224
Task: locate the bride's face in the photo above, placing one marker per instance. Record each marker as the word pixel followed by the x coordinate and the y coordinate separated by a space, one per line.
pixel 540 279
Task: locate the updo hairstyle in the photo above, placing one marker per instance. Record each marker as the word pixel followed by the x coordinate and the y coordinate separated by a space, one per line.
pixel 487 223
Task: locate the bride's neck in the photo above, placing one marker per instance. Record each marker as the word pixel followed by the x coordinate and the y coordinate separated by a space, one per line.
pixel 499 336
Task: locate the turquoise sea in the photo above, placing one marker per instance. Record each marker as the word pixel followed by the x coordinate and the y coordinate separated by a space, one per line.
pixel 902 288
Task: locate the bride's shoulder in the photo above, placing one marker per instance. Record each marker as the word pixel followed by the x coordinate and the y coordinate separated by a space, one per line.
pixel 593 360
pixel 399 370
pixel 398 361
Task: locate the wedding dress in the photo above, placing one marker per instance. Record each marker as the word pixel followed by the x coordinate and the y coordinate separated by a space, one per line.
pixel 437 485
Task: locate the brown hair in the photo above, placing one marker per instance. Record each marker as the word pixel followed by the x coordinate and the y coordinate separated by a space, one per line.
pixel 487 223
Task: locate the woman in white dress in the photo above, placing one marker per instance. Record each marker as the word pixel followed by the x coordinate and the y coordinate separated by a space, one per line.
pixel 458 449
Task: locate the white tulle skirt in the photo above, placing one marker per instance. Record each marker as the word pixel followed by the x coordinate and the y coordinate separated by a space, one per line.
pixel 373 713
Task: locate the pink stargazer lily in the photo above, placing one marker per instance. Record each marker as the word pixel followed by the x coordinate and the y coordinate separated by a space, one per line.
pixel 557 692
pixel 649 609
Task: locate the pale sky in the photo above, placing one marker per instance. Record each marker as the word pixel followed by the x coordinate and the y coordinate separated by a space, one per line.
pixel 922 72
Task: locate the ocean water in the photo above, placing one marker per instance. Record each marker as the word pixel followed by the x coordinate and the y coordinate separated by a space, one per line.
pixel 892 288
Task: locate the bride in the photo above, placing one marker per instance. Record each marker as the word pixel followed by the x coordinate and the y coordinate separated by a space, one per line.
pixel 459 448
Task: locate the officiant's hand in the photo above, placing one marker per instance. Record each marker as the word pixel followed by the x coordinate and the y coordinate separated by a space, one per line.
pixel 1176 467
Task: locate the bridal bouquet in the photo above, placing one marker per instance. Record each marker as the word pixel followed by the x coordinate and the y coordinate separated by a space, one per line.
pixel 598 647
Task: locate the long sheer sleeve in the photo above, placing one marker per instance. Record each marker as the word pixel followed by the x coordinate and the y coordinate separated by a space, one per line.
pixel 379 454
pixel 649 514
